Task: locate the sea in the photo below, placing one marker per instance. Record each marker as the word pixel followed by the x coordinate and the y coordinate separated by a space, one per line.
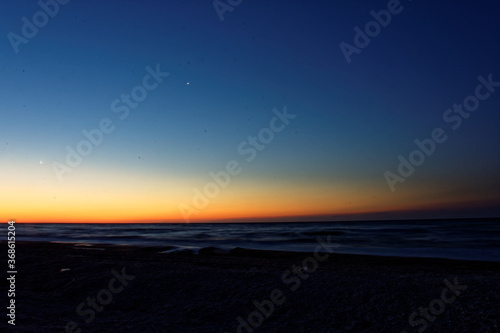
pixel 468 239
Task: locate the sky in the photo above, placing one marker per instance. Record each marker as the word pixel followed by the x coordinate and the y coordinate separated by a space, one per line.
pixel 255 111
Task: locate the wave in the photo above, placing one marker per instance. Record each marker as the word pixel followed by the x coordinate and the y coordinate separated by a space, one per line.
pixel 457 238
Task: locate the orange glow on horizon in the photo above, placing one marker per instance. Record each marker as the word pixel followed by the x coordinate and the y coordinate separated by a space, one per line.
pixel 116 197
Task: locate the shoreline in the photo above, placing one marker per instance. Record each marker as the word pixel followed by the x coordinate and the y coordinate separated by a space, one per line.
pixel 211 291
pixel 191 249
pixel 458 240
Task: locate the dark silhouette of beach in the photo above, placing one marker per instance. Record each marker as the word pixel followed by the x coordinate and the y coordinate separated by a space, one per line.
pixel 139 289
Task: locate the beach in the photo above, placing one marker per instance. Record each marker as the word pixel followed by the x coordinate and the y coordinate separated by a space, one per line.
pixel 70 287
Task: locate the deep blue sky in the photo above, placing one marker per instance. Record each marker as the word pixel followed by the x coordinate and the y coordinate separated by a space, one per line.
pixel 353 120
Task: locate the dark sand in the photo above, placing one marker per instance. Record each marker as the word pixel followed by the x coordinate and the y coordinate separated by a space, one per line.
pixel 207 292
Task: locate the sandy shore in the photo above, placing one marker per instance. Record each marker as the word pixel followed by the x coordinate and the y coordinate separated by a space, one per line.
pixel 67 288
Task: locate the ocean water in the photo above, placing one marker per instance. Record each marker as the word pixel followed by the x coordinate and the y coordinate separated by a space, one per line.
pixel 471 239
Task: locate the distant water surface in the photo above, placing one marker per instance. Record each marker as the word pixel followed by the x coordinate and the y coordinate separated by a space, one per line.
pixel 473 239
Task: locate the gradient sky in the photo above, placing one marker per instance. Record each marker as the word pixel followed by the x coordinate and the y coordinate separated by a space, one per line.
pixel 226 77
